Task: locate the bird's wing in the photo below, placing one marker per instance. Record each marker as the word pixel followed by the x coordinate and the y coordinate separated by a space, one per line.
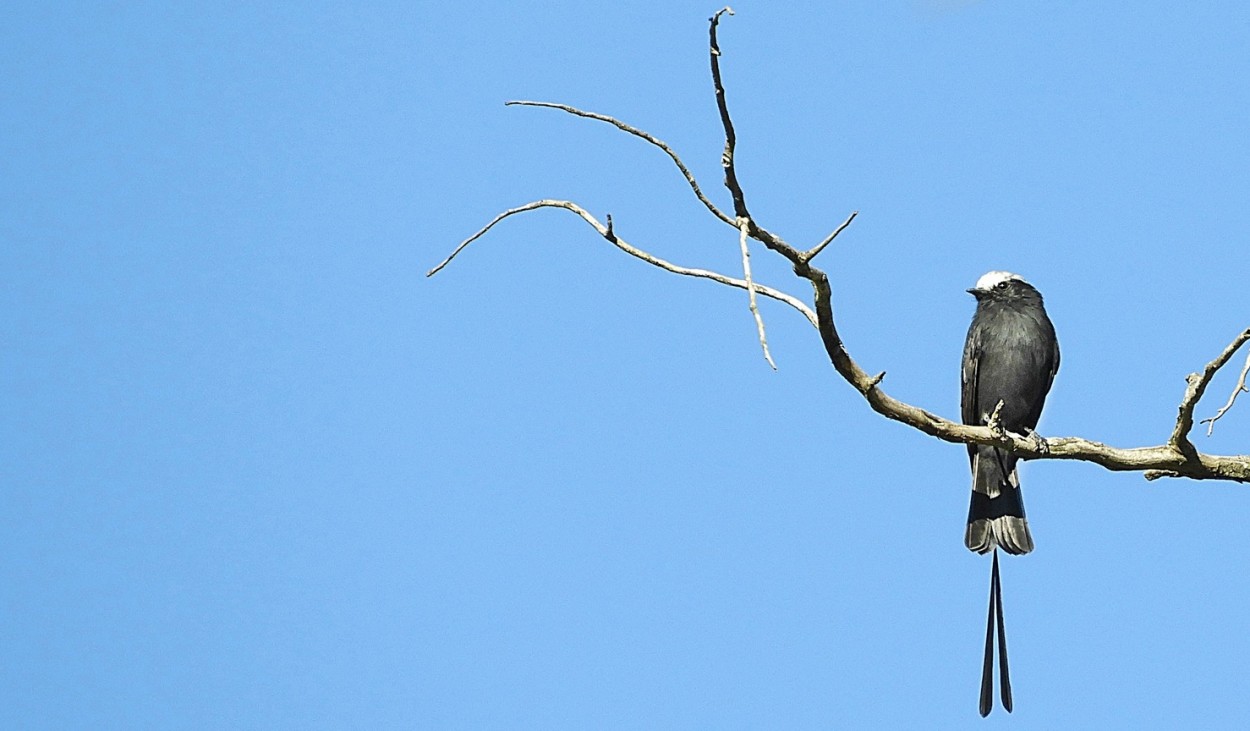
pixel 969 382
pixel 1036 415
pixel 1054 367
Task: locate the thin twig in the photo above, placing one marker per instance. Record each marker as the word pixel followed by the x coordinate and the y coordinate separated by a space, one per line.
pixel 1193 393
pixel 685 171
pixel 609 234
pixel 811 253
pixel 743 226
pixel 1240 388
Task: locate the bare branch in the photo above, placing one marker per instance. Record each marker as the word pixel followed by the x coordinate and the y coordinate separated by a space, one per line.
pixel 1163 459
pixel 685 171
pixel 1193 392
pixel 743 227
pixel 1175 458
pixel 756 232
pixel 731 139
pixel 607 232
pixel 456 252
pixel 811 253
pixel 1237 390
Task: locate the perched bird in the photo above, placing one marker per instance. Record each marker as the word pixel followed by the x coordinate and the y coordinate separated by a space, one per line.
pixel 1010 358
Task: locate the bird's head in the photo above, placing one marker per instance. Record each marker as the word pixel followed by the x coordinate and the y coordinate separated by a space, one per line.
pixel 1004 287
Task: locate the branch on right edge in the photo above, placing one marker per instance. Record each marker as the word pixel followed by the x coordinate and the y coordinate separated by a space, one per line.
pixel 1238 389
pixel 1197 386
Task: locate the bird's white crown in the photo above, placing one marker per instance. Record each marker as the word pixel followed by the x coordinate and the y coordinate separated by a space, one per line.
pixel 989 279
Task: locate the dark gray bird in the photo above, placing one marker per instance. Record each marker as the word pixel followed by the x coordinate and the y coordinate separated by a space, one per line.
pixel 1011 357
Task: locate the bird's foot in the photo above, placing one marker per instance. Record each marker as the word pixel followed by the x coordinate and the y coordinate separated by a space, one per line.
pixel 1038 441
pixel 993 422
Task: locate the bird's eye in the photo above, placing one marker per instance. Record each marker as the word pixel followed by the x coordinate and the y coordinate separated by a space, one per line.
pixel 1001 285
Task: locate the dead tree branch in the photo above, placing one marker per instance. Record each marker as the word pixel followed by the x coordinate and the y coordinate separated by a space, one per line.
pixel 731 139
pixel 1240 388
pixel 812 252
pixel 685 171
pixel 746 274
pixel 607 232
pixel 1175 458
pixel 1197 385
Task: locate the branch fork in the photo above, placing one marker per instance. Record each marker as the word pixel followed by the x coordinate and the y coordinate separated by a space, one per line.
pixel 1239 389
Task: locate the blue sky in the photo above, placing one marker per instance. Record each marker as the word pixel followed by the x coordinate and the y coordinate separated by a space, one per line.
pixel 258 472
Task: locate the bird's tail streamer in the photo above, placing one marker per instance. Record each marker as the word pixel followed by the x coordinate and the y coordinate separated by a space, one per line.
pixel 995 616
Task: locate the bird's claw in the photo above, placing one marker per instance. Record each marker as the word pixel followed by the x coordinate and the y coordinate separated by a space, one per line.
pixel 993 422
pixel 1039 443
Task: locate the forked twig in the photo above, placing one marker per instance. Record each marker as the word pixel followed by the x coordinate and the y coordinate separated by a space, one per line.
pixel 1240 388
pixel 1197 385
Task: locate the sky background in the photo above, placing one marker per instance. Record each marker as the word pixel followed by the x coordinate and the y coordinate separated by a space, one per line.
pixel 258 472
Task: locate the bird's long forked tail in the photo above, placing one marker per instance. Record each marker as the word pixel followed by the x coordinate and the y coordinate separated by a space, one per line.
pixel 987 668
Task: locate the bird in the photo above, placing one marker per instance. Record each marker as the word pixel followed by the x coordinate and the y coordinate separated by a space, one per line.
pixel 1010 360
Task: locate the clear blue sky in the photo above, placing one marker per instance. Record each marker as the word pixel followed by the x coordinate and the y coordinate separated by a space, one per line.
pixel 257 472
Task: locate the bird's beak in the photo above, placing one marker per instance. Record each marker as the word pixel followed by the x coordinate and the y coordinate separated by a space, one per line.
pixel 976 292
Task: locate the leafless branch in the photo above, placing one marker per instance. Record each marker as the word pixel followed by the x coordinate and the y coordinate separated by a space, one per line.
pixel 731 139
pixel 685 171
pixel 746 274
pixel 1193 392
pixel 1175 458
pixel 757 232
pixel 812 252
pixel 607 232
pixel 1238 389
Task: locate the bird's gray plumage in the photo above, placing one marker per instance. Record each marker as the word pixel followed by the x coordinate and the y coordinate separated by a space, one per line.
pixel 1010 360
pixel 1011 355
